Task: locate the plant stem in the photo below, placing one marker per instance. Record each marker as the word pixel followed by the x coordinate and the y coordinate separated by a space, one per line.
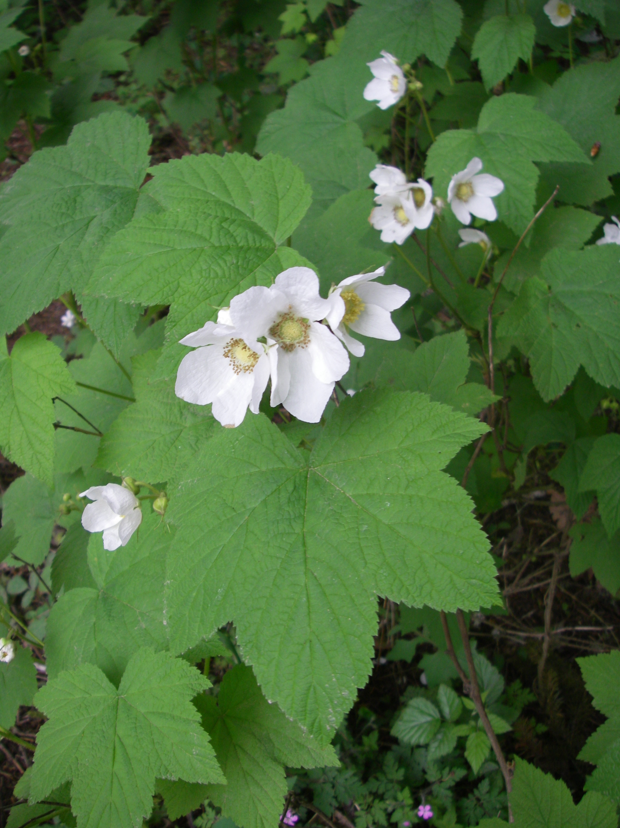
pixel 80 430
pixel 42 26
pixel 81 416
pixel 31 567
pixel 6 734
pixel 448 252
pixel 36 641
pixel 480 269
pixel 412 266
pixel 570 44
pixel 407 136
pixel 104 391
pixel 118 362
pixel 416 92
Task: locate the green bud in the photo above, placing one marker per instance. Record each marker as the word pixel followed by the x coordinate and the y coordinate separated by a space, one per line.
pixel 130 483
pixel 160 504
pixel 66 497
pixel 311 38
pixel 64 509
pixel 415 85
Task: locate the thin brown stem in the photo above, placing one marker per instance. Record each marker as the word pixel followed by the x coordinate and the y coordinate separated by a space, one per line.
pixel 474 457
pixel 474 693
pixel 548 614
pixel 450 649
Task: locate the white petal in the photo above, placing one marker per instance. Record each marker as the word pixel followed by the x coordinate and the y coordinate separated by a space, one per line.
pixel 98 516
pixel 389 297
pixel 474 166
pixel 424 216
pixel 203 374
pixel 128 525
pixel 207 335
pixel 281 376
pixel 301 287
pixel 377 323
pixel 94 493
pixel 261 374
pixel 223 316
pixel 254 311
pixel 112 538
pixel 460 210
pixel 482 207
pixel 307 396
pixel 389 57
pixel 330 361
pixel 362 277
pixel 231 404
pixel 337 309
pixel 382 68
pixel 487 185
pixel 120 499
pixel 354 345
pixel 376 90
pixel 471 236
pixel 388 179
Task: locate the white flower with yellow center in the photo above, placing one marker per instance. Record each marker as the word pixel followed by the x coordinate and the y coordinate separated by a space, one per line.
pixel 362 305
pixel 7 650
pixel 115 512
pixel 389 84
pixel 230 368
pixel 390 181
pixel 471 194
pixel 395 216
pixel 472 236
pixel 612 233
pixel 560 14
pixel 309 359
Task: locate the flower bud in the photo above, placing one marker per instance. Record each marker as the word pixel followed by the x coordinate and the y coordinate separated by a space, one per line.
pixel 130 483
pixel 23 51
pixel 66 497
pixel 7 650
pixel 415 85
pixel 64 509
pixel 160 504
pixel 439 204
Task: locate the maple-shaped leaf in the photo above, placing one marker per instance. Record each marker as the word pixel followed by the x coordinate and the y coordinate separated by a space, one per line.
pixel 602 475
pixel 295 546
pixel 601 674
pixel 511 135
pixel 540 801
pixel 30 378
pixel 61 208
pixel 253 741
pixel 112 743
pixel 217 227
pixel 568 317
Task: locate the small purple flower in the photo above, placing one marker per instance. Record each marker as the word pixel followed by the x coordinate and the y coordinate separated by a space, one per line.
pixel 425 812
pixel 291 818
pixel 406 824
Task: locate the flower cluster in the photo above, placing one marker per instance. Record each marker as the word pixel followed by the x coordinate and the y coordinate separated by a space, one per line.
pixel 288 334
pixel 7 650
pixel 405 206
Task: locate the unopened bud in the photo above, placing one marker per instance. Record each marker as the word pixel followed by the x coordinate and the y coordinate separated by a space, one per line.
pixel 130 483
pixel 160 504
pixel 66 497
pixel 415 85
pixel 23 51
pixel 439 205
pixel 64 509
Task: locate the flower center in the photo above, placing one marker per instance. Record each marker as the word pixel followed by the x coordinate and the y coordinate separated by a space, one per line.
pixel 419 196
pixel 353 306
pixel 290 331
pixel 394 81
pixel 564 10
pixel 400 216
pixel 464 191
pixel 241 357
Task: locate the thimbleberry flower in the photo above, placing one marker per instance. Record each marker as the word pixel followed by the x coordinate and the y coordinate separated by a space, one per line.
pixel 472 236
pixel 612 233
pixel 67 320
pixel 7 650
pixel 471 194
pixel 390 181
pixel 115 512
pixel 403 205
pixel 362 305
pixel 560 14
pixel 395 216
pixel 388 85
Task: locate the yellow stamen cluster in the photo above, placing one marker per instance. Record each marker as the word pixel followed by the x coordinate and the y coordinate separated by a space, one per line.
pixel 419 197
pixel 394 83
pixel 290 331
pixel 400 216
pixel 564 10
pixel 353 306
pixel 464 191
pixel 241 357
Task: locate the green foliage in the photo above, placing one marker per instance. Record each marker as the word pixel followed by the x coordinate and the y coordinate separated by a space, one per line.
pixel 510 136
pixel 61 208
pixel 592 547
pixel 30 378
pixel 501 41
pixel 539 801
pixel 353 477
pixel 601 674
pixel 118 741
pixel 18 683
pixel 253 740
pixel 565 319
pixel 602 474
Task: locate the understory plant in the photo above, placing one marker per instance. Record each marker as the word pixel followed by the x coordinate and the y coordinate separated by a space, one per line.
pixel 303 367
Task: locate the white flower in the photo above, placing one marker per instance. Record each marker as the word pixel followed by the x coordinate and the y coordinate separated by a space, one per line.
pixel 67 320
pixel 115 512
pixel 560 14
pixel 388 85
pixel 471 236
pixel 7 650
pixel 612 233
pixel 390 181
pixel 469 193
pixel 309 359
pixel 365 308
pixel 229 367
pixel 23 51
pixel 395 217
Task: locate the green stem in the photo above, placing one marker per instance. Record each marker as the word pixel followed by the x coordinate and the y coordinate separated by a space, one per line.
pixel 412 266
pixel 81 416
pixel 42 25
pixel 6 734
pixel 416 92
pixel 480 270
pixel 120 365
pixel 104 391
pixel 79 430
pixel 448 252
pixel 36 641
pixel 570 44
pixel 147 497
pixel 449 74
pixel 31 133
pixel 48 589
pixel 433 285
pixel 155 491
pixel 407 136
